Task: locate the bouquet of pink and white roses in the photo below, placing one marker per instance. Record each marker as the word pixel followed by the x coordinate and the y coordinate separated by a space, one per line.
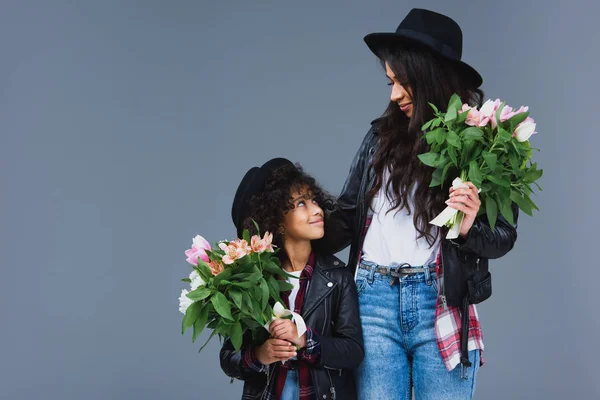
pixel 233 288
pixel 488 147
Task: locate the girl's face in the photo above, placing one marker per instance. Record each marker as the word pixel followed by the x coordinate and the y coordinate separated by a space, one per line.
pixel 401 93
pixel 305 220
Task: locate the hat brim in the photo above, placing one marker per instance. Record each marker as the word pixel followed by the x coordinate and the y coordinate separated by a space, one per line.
pixel 380 41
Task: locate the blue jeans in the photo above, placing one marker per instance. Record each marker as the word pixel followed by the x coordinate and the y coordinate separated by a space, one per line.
pixel 291 389
pixel 401 351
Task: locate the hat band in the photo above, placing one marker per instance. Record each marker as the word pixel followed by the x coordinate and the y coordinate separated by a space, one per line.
pixel 435 44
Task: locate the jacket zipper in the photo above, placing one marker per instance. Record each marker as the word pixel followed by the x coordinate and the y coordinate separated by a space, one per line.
pixel 262 396
pixel 323 332
pixel 442 281
pixel 331 387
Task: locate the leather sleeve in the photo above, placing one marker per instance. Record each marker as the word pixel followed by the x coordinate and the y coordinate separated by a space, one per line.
pixel 488 243
pixel 340 219
pixel 232 362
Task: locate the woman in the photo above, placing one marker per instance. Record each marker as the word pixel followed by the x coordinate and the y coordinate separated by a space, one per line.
pixel 283 200
pixel 417 290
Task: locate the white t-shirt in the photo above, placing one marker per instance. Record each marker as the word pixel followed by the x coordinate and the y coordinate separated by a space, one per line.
pixel 392 236
pixel 296 283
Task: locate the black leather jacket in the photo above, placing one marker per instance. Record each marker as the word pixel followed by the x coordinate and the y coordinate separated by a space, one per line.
pixel 466 279
pixel 331 308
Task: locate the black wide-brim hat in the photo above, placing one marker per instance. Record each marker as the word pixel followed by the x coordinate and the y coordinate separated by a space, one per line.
pixel 439 33
pixel 253 183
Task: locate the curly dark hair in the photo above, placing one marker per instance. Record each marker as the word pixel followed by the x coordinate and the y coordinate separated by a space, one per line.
pixel 270 206
pixel 432 80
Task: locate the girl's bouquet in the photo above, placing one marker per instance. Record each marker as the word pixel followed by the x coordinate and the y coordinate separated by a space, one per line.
pixel 233 288
pixel 488 147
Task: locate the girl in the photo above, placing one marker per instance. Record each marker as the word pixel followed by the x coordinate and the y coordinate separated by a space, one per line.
pixel 416 289
pixel 285 201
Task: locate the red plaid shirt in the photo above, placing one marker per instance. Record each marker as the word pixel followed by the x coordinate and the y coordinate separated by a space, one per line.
pixel 306 357
pixel 447 320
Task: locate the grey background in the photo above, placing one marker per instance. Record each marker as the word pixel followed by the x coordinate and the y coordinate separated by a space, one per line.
pixel 127 125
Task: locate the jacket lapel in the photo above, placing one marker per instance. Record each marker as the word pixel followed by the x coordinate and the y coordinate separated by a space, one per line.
pixel 318 289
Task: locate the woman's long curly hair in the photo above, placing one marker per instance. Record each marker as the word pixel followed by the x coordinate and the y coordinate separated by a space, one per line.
pixel 432 79
pixel 269 207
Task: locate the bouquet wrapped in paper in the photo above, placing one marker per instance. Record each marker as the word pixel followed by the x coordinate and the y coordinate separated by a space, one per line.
pixel 234 288
pixel 488 147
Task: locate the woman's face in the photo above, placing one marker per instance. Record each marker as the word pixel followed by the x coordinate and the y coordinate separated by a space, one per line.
pixel 401 94
pixel 305 220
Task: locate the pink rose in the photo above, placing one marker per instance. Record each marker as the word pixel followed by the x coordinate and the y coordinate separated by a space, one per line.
pixel 488 113
pixel 199 245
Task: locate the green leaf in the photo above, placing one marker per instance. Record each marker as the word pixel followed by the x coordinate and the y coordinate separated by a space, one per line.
pixel 204 270
pixel 236 336
pixel 430 137
pixel 453 139
pixel 439 135
pixel 199 294
pixel 222 306
pixel 188 280
pixel 284 286
pixel 264 288
pixel 200 322
pixel 455 102
pixel 257 312
pixel 436 177
pixel 236 296
pixel 490 159
pixel 223 277
pixel 452 154
pixel 429 159
pixel 445 172
pixel 491 210
pixel 473 133
pixel 462 116
pixel 514 162
pixel 531 203
pixel 521 202
pixel 498 181
pixel 451 114
pixel 498 113
pixel 256 226
pixel 251 323
pixel 435 109
pixel 247 302
pixel 506 211
pixel 517 119
pixel 207 341
pixel 504 136
pixel 474 174
pixel 426 125
pixel 191 314
pixel 246 236
pixel 247 277
pixel 533 175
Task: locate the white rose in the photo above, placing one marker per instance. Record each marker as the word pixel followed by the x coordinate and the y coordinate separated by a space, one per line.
pixel 184 301
pixel 525 130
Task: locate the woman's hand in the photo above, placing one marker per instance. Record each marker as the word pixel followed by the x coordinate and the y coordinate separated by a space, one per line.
pixel 467 201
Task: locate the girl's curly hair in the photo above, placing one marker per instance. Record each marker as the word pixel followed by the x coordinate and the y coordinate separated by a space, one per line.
pixel 269 207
